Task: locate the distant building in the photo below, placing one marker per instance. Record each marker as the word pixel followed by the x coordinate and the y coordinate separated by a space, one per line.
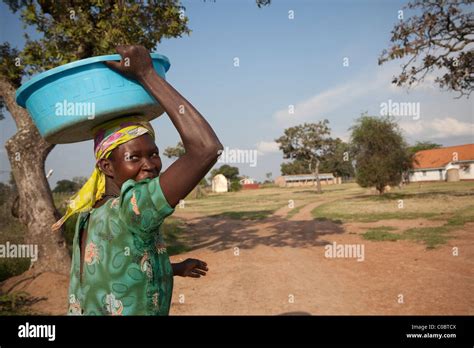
pixel 306 180
pixel 246 181
pixel 219 183
pixel 453 163
pixel 248 184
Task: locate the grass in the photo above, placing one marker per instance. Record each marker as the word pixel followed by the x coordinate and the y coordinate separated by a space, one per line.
pixel 319 213
pixel 334 221
pixel 381 233
pixel 438 204
pixel 430 236
pixel 450 202
pixel 268 199
pixel 244 215
pixel 462 217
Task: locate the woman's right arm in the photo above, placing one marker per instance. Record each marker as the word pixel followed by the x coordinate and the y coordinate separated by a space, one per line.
pixel 200 142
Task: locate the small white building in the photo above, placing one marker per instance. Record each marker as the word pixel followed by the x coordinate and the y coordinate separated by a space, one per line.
pixel 219 183
pixel 452 163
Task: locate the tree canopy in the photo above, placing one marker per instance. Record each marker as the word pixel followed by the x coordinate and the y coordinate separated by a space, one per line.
pixel 381 154
pixel 423 145
pixel 438 39
pixel 176 151
pixel 228 171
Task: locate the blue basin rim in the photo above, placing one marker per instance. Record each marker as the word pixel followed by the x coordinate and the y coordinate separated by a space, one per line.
pixel 22 92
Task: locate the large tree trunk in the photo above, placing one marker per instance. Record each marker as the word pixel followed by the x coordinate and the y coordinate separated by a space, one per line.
pixel 27 152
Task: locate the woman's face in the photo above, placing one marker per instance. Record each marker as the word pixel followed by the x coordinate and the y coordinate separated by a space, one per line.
pixel 136 159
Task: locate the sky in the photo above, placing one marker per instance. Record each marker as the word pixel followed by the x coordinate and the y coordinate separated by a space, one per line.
pixel 299 61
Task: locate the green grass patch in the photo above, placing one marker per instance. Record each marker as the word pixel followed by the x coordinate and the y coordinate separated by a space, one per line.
pixel 431 236
pixel 334 221
pixel 381 233
pixel 462 217
pixel 244 215
pixel 322 212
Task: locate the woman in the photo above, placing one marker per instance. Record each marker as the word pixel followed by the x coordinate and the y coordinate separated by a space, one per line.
pixel 120 265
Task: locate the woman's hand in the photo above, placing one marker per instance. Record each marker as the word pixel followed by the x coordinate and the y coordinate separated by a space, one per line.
pixel 136 62
pixel 190 268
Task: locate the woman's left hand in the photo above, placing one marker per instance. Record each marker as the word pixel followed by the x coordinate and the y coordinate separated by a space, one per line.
pixel 136 62
pixel 191 268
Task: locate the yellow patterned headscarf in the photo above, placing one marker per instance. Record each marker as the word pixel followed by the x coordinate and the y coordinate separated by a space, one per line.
pixel 107 137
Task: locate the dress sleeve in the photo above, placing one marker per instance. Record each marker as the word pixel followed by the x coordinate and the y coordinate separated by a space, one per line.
pixel 143 205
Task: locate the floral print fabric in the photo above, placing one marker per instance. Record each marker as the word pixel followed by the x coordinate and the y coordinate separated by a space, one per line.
pixel 126 269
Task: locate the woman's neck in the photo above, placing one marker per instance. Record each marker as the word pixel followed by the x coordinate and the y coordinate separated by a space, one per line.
pixel 111 190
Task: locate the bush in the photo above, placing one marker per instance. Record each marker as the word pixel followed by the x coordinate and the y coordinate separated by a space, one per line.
pixel 235 185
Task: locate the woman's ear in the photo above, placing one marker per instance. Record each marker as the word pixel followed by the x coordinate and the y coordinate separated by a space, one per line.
pixel 106 167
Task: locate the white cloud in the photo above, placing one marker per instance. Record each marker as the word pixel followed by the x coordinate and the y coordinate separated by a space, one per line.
pixel 335 98
pixel 264 147
pixel 438 128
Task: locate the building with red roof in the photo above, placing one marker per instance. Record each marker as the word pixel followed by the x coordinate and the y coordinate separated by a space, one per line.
pixel 452 163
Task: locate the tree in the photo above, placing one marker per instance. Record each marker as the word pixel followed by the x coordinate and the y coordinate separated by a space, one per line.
pixel 79 181
pixel 177 151
pixel 337 159
pixel 294 167
pixel 63 186
pixel 228 171
pixel 71 30
pixel 441 37
pixel 307 143
pixel 381 154
pixel 423 145
pixel 261 3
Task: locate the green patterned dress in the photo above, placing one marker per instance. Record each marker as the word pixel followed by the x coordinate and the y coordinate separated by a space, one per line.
pixel 126 269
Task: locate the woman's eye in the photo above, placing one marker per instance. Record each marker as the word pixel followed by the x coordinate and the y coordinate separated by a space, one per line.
pixel 155 154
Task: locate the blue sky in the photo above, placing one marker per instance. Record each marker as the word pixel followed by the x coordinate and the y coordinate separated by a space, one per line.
pixel 282 62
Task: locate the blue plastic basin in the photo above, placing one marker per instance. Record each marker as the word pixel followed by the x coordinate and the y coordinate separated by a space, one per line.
pixel 67 102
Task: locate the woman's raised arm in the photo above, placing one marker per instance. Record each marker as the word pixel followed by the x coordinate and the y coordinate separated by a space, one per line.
pixel 200 142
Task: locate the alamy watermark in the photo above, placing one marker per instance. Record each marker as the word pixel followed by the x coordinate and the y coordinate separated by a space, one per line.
pixel 37 331
pixel 406 109
pixel 8 250
pixel 238 156
pixel 66 108
pixel 335 250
